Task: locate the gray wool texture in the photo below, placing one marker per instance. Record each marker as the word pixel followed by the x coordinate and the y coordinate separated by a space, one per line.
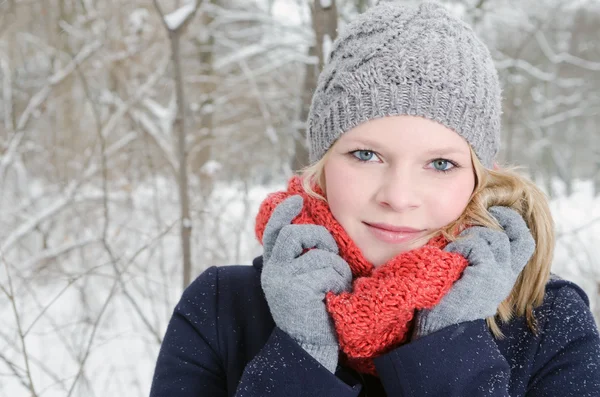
pixel 295 282
pixel 408 60
pixel 496 258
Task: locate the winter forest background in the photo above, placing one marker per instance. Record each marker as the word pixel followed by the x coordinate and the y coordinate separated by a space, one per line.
pixel 103 101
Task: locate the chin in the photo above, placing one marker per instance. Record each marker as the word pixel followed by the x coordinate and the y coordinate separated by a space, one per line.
pixel 378 260
pixel 387 255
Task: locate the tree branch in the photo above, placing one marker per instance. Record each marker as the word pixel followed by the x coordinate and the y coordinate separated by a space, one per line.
pixel 11 297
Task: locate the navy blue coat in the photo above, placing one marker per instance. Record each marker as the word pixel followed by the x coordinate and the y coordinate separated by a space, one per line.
pixel 221 341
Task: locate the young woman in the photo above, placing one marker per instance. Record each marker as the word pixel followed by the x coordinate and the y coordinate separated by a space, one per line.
pixel 403 261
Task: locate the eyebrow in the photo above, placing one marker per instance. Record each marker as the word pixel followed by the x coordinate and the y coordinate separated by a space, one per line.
pixel 433 152
pixel 444 151
pixel 364 142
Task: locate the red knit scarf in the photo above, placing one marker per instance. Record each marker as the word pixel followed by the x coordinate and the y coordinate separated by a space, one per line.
pixel 377 315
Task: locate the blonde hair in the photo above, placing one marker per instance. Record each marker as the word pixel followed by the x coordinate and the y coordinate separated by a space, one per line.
pixel 502 187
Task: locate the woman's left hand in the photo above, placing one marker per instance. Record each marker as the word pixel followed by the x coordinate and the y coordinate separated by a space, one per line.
pixel 496 258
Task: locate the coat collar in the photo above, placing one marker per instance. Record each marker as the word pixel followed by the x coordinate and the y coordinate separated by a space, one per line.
pixel 258 263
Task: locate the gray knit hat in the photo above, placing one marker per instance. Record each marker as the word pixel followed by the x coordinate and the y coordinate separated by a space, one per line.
pixel 399 60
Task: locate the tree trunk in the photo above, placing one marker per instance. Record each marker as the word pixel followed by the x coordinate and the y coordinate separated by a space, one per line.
pixel 597 176
pixel 180 129
pixel 203 155
pixel 300 159
pixel 324 23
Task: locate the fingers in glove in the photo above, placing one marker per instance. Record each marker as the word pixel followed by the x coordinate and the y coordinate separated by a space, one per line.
pixel 467 241
pixel 480 244
pixel 498 244
pixel 320 259
pixel 324 280
pixel 294 239
pixel 511 221
pixel 521 241
pixel 283 215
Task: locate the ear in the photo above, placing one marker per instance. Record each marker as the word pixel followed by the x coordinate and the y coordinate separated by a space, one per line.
pixel 496 166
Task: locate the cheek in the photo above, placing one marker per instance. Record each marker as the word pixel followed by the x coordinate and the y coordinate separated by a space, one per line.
pixel 344 190
pixel 453 202
pixel 334 181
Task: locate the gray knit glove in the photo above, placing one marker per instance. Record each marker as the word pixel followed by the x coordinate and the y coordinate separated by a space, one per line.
pixel 495 258
pixel 295 284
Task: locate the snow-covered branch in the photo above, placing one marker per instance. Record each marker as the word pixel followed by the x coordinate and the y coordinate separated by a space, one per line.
pixel 140 93
pixel 181 17
pixel 154 132
pixel 269 130
pixel 54 80
pixel 538 73
pixel 564 56
pixel 54 252
pixel 7 99
pixel 69 198
pixel 177 18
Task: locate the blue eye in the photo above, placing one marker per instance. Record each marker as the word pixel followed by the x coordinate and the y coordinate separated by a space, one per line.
pixel 363 155
pixel 442 165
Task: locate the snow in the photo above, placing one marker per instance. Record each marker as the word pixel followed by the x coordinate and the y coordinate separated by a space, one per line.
pixel 177 17
pixel 144 236
pixel 211 167
pixel 290 13
pixel 239 56
pixel 51 235
pixel 125 350
pixel 138 19
pixel 577 251
pixel 163 115
pixel 327 45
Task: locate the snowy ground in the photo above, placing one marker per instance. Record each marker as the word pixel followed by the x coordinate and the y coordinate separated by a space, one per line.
pixel 110 314
pixel 578 240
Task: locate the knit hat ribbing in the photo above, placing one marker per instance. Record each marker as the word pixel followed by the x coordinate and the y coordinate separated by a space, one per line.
pixel 398 60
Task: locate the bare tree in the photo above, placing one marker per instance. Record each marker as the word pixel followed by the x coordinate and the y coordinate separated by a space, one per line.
pixel 324 17
pixel 176 24
pixel 96 99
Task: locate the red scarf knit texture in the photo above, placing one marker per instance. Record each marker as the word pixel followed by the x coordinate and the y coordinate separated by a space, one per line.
pixel 376 316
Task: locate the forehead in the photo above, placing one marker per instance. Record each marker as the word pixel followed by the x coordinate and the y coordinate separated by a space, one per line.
pixel 406 133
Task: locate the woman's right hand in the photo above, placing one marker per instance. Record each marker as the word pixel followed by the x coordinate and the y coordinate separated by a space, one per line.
pixel 295 282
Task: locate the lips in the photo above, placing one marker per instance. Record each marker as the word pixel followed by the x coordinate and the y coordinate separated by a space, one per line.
pixel 393 234
pixel 390 228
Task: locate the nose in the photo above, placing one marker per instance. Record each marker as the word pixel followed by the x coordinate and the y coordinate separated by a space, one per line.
pixel 398 190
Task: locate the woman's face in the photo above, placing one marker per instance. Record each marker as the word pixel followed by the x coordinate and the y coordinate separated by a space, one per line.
pixel 392 180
